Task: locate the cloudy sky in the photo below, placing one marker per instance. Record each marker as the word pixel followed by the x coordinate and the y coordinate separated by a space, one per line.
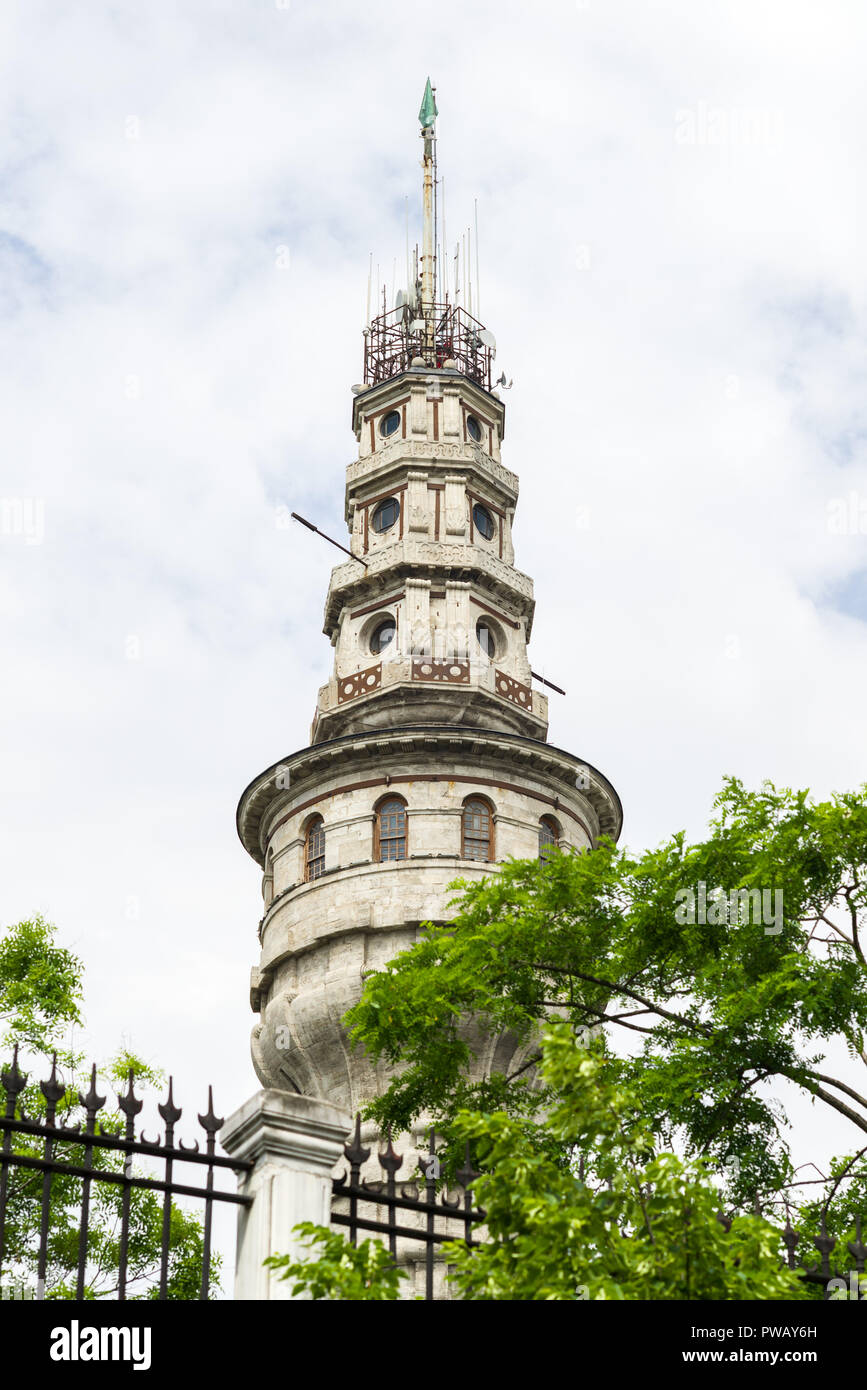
pixel 672 259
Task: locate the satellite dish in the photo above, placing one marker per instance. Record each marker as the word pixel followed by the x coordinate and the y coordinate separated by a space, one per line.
pixel 486 336
pixel 400 300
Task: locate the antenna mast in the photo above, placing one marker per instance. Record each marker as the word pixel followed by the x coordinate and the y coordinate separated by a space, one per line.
pixel 478 291
pixel 444 269
pixel 427 118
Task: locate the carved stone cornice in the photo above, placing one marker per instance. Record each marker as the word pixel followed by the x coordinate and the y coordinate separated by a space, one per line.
pixel 354 584
pixel 415 453
pixel 296 777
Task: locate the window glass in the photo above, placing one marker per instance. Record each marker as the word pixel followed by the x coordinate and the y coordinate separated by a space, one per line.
pixel 486 639
pixel 386 514
pixel 389 423
pixel 549 834
pixel 483 521
pixel 392 830
pixel 476 828
pixel 382 636
pixel 315 850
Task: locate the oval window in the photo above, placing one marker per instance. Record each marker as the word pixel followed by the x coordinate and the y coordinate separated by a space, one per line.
pixel 483 521
pixel 389 423
pixel 382 636
pixel 486 639
pixel 386 514
pixel 474 429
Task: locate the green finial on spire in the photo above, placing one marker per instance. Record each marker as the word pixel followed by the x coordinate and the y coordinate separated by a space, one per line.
pixel 428 112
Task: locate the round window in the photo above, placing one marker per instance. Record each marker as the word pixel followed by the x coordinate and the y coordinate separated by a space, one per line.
pixel 483 521
pixel 486 639
pixel 386 514
pixel 382 636
pixel 474 429
pixel 389 423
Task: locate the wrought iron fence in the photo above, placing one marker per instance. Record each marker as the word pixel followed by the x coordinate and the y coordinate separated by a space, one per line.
pixel 434 1211
pixel 823 1273
pixel 415 1213
pixel 47 1147
pixel 353 1191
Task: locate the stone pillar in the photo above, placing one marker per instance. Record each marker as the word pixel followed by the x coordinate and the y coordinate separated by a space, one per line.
pixel 456 505
pixel 294 1142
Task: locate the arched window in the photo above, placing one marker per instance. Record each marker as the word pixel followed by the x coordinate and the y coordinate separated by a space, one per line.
pixel 549 837
pixel 477 829
pixel 314 849
pixel 390 830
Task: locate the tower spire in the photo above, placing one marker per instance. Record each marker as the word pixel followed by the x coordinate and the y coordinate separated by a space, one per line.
pixel 427 118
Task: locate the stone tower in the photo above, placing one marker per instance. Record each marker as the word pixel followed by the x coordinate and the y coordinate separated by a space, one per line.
pixel 428 756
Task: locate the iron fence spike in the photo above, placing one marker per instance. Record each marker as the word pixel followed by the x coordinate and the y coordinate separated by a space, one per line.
pixel 169 1111
pixel 92 1102
pixel 14 1081
pixel 129 1103
pixel 209 1121
pixel 52 1089
pixel 355 1151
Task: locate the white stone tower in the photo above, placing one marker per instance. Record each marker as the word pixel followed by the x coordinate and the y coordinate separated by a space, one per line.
pixel 428 758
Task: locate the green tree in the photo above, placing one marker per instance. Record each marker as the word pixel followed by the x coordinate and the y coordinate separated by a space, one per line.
pixel 624 1222
pixel 752 979
pixel 41 994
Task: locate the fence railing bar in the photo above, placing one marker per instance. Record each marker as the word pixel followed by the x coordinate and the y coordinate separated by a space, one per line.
pixel 408 1203
pixel 53 1091
pixel 76 1170
pixel 13 1081
pixel 211 1125
pixel 131 1107
pixel 430 1193
pixel 137 1146
pixel 171 1114
pixel 92 1103
pixel 362 1223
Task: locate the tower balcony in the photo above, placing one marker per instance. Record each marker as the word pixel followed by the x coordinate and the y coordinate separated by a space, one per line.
pixel 418 689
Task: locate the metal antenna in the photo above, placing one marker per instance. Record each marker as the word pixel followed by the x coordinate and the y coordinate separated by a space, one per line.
pixel 469 271
pixel 406 200
pixel 369 276
pixel 478 291
pixel 444 242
